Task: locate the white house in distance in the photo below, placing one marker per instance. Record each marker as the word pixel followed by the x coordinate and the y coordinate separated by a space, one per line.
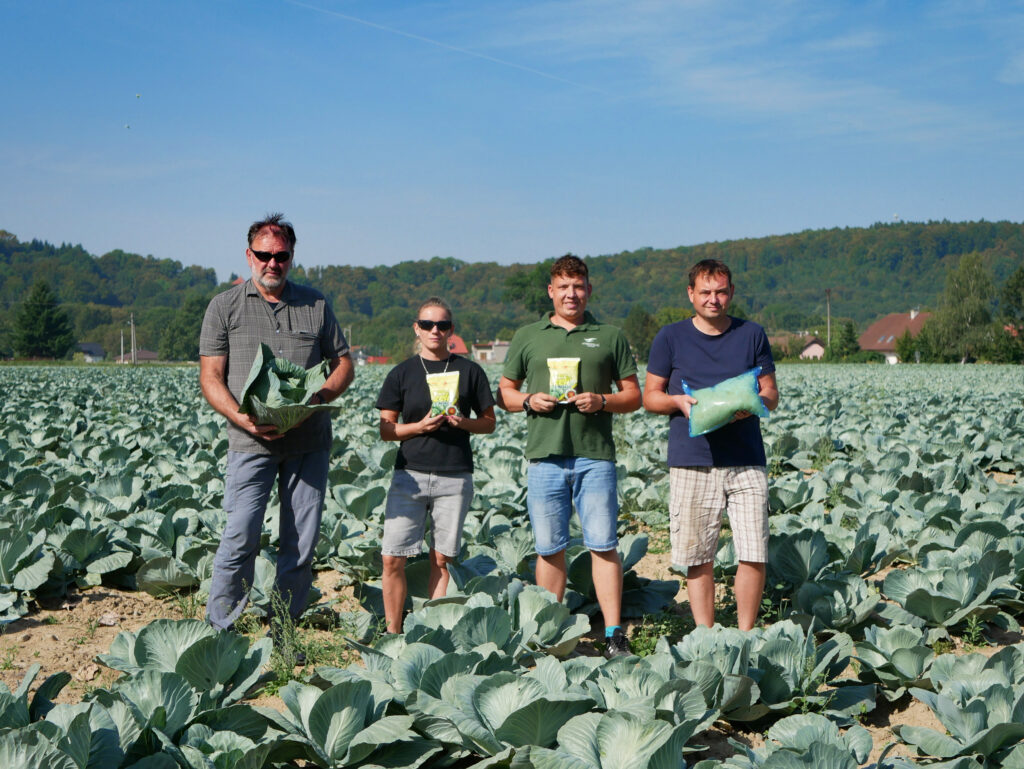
pixel 813 349
pixel 490 352
pixel 92 352
pixel 803 344
pixel 881 336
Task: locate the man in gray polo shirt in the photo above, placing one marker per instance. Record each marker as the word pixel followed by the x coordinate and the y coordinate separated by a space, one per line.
pixel 296 322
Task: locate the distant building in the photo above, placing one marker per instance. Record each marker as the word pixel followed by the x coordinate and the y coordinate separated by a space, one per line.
pixel 881 336
pixel 457 345
pixel 91 351
pixel 813 349
pixel 802 345
pixel 490 352
pixel 360 357
pixel 141 356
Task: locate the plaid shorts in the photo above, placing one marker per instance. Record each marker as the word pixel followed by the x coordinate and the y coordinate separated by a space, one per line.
pixel 699 496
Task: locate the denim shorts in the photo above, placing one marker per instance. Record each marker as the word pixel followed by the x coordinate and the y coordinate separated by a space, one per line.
pixel 415 496
pixel 556 485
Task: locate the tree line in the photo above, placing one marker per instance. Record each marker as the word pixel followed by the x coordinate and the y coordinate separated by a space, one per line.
pixel 974 320
pixel 781 282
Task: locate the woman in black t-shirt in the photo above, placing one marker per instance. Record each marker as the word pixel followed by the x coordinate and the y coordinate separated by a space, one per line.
pixel 434 468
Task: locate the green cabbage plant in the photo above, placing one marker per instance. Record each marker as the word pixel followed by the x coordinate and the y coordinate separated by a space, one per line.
pixel 219 664
pixel 612 740
pixel 346 726
pixel 990 725
pixel 895 659
pixel 944 598
pixel 277 391
pixel 489 714
pixel 808 740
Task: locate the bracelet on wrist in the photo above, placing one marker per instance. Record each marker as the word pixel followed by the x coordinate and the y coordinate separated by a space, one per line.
pixel 604 402
pixel 526 405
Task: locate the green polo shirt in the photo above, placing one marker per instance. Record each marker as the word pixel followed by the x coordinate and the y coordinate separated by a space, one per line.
pixel 604 358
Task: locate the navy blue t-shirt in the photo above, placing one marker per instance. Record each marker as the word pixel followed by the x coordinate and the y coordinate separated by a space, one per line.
pixel 679 352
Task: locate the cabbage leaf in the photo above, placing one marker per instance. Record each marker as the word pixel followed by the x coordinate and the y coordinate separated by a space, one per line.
pixel 277 391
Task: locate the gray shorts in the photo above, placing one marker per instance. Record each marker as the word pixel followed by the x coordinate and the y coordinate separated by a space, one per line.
pixel 413 496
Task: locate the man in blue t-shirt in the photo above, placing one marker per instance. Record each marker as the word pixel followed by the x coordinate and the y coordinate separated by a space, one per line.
pixel 723 469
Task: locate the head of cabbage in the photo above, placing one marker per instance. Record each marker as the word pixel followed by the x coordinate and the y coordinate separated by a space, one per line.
pixel 277 391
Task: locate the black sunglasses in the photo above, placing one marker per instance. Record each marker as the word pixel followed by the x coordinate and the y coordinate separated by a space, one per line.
pixel 428 325
pixel 266 256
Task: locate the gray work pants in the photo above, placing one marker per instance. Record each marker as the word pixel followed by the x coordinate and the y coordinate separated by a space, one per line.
pixel 302 482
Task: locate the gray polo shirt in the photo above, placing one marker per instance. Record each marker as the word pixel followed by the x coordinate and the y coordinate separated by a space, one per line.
pixel 301 328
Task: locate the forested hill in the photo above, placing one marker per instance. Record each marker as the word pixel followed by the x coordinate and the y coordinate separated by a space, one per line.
pixel 781 281
pixel 100 293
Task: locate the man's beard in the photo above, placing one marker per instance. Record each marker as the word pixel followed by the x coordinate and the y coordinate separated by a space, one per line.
pixel 269 282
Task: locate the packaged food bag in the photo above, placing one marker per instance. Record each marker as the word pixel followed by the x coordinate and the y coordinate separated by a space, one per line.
pixel 565 377
pixel 277 391
pixel 716 405
pixel 444 393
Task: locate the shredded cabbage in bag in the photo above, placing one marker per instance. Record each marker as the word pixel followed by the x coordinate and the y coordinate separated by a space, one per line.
pixel 716 405
pixel 277 391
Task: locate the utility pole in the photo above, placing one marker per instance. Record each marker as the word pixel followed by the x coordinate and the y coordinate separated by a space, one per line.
pixel 121 360
pixel 828 313
pixel 133 338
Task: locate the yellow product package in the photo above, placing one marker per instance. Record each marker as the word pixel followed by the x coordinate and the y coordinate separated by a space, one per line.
pixel 444 393
pixel 565 377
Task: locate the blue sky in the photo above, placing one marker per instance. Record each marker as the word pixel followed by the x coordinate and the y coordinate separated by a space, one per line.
pixel 501 131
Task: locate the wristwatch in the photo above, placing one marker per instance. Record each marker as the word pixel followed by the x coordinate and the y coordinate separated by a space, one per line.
pixel 526 405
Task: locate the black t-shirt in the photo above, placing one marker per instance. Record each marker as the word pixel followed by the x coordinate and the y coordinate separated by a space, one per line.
pixel 447 449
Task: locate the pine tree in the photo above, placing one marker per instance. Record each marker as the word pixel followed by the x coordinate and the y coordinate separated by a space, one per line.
pixel 845 345
pixel 42 328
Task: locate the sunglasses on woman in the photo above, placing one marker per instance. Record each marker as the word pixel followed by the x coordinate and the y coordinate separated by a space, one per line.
pixel 428 325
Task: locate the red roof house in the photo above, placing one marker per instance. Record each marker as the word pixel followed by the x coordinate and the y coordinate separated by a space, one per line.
pixel 881 335
pixel 457 345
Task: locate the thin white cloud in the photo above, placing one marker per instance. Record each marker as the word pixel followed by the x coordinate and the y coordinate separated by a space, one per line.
pixel 1001 22
pixel 438 43
pixel 863 40
pixel 96 166
pixel 799 62
pixel 1013 71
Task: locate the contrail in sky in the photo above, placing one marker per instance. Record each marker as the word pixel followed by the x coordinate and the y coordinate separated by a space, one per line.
pixel 446 46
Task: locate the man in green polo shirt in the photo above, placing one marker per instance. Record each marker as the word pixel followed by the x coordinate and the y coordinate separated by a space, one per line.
pixel 568 362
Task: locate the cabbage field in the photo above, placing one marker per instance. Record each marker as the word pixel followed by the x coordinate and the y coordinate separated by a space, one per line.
pixel 897 550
